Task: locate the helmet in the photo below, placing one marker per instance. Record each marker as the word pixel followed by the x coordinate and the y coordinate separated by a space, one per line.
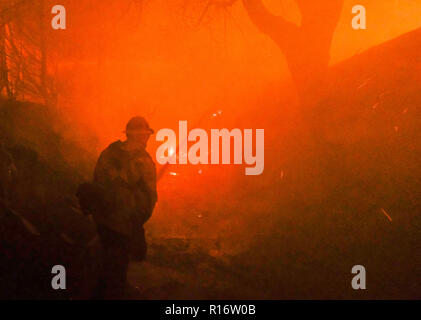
pixel 138 125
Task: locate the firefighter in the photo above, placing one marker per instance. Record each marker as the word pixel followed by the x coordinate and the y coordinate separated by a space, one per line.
pixel 126 174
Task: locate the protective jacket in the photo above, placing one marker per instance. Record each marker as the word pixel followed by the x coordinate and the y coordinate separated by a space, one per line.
pixel 129 181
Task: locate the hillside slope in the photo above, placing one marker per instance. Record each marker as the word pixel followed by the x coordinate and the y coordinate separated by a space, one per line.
pixel 351 199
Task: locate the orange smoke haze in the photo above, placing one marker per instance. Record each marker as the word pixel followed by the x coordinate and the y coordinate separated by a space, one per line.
pixel 116 60
pixel 170 62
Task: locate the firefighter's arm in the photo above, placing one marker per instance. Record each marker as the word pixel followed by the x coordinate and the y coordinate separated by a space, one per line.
pixel 152 185
pixel 149 185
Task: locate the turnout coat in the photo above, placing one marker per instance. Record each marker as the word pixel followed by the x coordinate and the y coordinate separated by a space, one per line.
pixel 128 179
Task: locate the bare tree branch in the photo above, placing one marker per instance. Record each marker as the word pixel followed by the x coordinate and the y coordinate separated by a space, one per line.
pixel 306 47
pixel 274 26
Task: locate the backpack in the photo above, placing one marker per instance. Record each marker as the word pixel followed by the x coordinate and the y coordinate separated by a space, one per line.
pixel 94 199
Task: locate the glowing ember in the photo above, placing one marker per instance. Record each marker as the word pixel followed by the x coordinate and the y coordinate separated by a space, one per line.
pixel 362 85
pixel 386 214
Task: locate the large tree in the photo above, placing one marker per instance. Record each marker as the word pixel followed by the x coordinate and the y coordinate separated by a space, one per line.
pixel 307 46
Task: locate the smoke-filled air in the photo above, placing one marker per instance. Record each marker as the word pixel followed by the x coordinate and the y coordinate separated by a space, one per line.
pixel 340 110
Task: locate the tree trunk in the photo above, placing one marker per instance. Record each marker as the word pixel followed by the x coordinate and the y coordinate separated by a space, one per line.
pixel 306 47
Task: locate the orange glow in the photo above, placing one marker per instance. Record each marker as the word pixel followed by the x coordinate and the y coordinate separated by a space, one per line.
pixel 113 64
pixel 161 67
